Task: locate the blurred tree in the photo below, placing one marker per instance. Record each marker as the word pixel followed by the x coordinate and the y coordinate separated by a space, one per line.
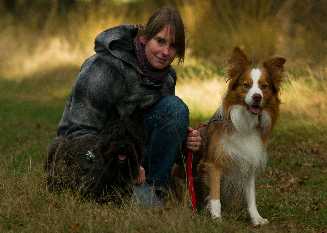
pixel 312 15
pixel 294 28
pixel 10 6
pixel 18 7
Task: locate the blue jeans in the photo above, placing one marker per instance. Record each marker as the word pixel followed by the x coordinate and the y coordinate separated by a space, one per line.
pixel 166 124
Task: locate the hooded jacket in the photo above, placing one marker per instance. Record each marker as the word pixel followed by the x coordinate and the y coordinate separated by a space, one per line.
pixel 110 85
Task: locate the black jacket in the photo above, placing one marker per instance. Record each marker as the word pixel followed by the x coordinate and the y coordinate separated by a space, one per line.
pixel 110 85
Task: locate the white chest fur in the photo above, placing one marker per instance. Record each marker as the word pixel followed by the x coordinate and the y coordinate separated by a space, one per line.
pixel 244 145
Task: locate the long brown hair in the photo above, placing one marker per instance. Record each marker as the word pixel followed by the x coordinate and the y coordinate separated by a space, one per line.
pixel 159 19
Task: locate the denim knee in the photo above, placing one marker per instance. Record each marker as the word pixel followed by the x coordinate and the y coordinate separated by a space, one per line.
pixel 176 106
pixel 169 109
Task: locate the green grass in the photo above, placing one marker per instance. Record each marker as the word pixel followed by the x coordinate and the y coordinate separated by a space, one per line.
pixel 292 192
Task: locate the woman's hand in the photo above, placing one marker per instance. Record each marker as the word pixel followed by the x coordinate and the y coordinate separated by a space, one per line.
pixel 193 141
pixel 141 177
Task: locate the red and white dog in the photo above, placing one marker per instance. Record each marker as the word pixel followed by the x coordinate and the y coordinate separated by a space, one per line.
pixel 236 136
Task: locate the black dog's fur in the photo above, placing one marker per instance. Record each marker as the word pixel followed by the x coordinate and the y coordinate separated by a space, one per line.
pixel 89 164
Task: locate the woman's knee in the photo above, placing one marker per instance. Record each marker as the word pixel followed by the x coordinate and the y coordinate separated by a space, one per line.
pixel 169 114
pixel 174 106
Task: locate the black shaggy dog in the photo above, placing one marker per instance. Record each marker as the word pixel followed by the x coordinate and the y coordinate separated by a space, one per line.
pixel 100 167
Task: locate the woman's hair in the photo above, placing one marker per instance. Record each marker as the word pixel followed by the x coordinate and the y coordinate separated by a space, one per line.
pixel 161 18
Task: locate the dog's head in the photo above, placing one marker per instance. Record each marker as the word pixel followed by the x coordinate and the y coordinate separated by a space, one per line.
pixel 122 151
pixel 254 87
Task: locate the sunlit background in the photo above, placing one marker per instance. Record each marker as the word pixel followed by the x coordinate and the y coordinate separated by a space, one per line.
pixel 40 36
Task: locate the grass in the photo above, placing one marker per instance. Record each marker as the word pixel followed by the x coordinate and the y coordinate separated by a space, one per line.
pixel 292 192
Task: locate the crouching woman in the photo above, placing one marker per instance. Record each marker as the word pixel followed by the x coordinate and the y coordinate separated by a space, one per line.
pixel 127 86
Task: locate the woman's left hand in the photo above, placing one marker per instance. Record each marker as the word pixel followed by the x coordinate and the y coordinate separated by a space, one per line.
pixel 140 179
pixel 193 141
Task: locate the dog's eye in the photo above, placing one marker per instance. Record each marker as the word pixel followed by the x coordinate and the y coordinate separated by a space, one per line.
pixel 246 85
pixel 264 86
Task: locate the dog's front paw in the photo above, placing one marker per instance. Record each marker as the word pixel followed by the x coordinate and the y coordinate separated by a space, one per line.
pixel 214 208
pixel 258 221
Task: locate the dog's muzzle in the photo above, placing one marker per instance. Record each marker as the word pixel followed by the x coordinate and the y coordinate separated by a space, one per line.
pixel 122 152
pixel 255 107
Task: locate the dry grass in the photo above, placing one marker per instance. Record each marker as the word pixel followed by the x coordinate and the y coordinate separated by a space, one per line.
pixel 249 25
pixel 295 174
pixel 305 98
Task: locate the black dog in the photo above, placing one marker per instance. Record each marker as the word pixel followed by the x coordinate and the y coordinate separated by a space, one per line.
pixel 100 167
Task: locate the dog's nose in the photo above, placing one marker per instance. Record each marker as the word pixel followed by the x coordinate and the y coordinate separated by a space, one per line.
pixel 257 98
pixel 122 148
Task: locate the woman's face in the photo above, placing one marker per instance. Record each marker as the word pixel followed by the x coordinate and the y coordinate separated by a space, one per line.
pixel 160 50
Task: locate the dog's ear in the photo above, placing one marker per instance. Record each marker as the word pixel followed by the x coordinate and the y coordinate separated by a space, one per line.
pixel 275 68
pixel 238 63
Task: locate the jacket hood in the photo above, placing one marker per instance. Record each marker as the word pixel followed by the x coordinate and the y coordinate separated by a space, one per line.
pixel 118 41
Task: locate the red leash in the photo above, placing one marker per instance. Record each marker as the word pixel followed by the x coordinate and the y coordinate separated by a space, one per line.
pixel 189 174
pixel 190 179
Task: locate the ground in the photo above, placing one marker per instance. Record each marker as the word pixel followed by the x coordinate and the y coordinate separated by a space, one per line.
pixel 291 193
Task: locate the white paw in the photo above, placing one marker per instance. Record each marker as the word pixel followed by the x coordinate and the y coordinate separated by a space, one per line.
pixel 258 221
pixel 214 208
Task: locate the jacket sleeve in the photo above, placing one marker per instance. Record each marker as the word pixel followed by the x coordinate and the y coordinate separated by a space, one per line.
pixel 97 88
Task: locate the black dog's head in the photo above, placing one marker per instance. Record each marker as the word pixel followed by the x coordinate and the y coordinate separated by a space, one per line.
pixel 122 150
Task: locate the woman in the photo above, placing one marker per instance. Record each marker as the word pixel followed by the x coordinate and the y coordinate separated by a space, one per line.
pixel 129 73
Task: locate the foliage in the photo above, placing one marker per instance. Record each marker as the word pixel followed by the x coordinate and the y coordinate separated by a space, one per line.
pixel 261 27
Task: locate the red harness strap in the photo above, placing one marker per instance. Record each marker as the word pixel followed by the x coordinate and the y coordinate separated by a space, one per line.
pixel 189 175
